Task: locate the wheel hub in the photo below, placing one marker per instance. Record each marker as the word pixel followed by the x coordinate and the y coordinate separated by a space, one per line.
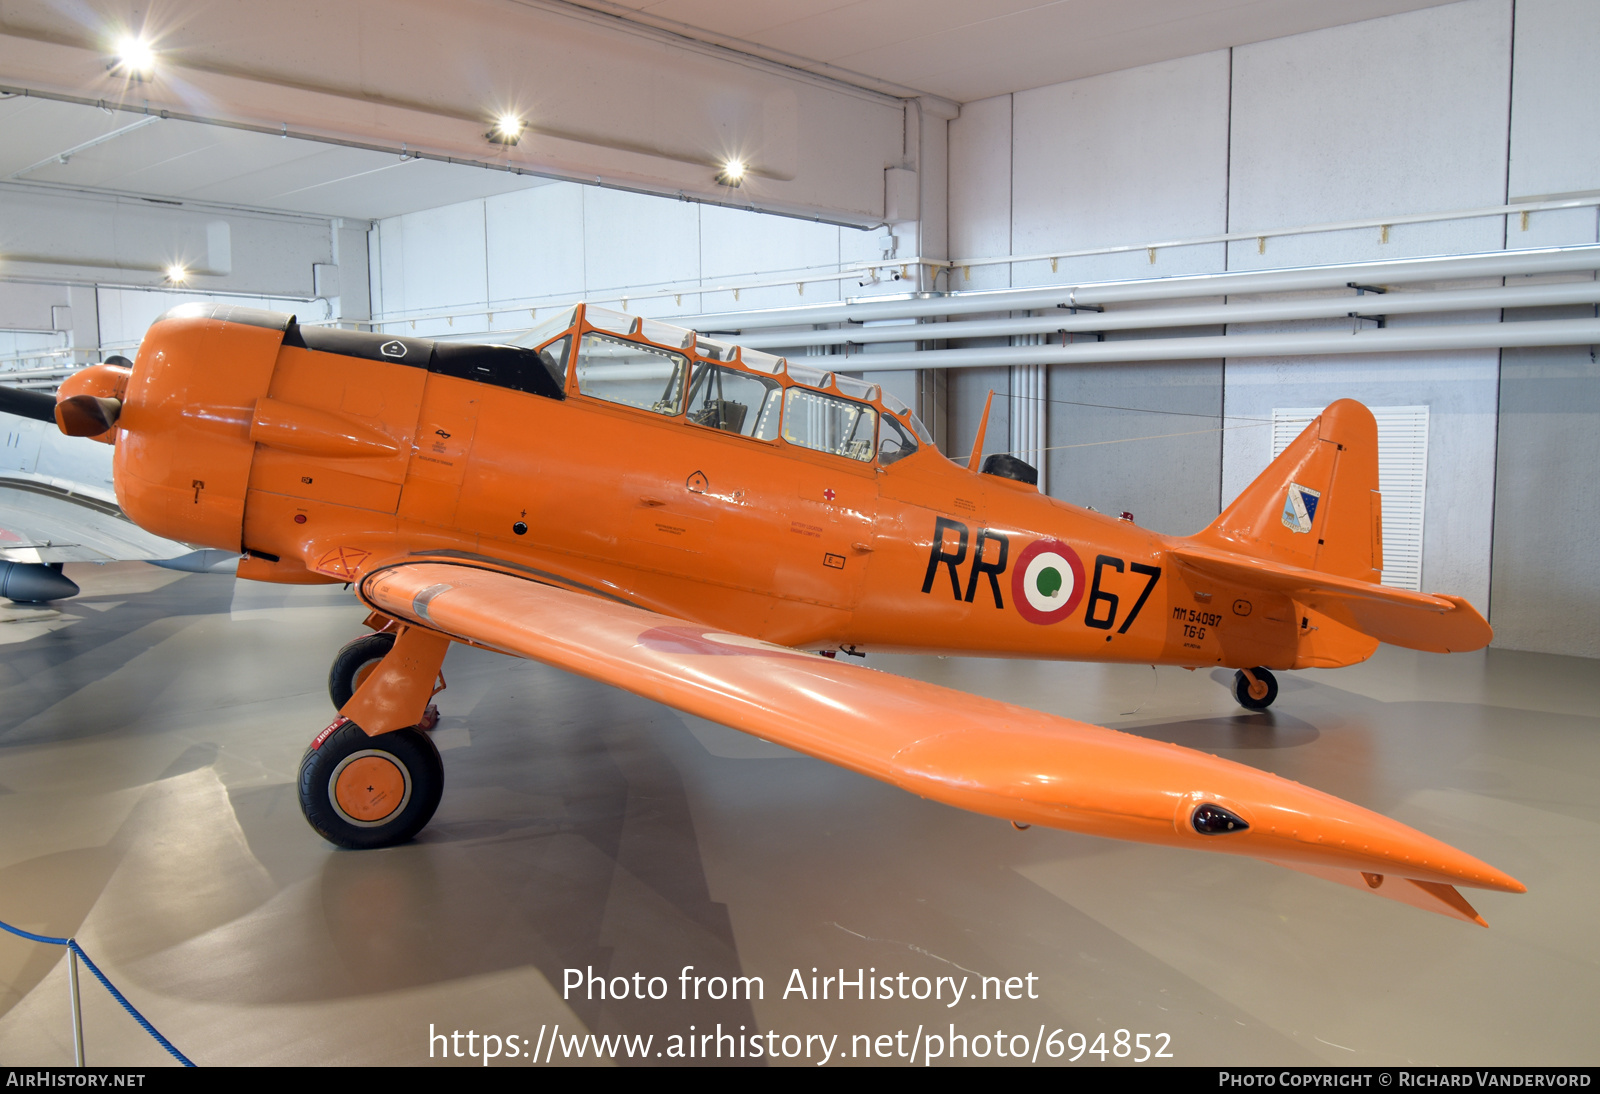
pixel 369 787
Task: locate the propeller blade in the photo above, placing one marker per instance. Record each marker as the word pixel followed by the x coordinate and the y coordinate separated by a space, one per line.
pixel 87 415
pixel 28 404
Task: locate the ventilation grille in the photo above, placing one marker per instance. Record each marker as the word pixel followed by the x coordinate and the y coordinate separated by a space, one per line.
pixel 1402 480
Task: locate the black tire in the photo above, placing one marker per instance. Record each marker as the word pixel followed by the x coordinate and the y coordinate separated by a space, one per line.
pixel 348 780
pixel 1241 689
pixel 363 653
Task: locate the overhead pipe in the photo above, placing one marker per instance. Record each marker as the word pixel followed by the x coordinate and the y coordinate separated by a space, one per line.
pixel 1527 296
pixel 1545 260
pixel 1554 332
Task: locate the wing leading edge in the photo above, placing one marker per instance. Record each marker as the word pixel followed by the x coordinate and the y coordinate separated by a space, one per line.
pixel 974 753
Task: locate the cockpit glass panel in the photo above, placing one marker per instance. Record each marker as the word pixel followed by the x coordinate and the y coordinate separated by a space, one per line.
pixel 921 431
pixel 895 442
pixel 717 351
pixel 666 334
pixel 806 374
pixel 554 359
pixel 856 389
pixel 757 361
pixel 614 321
pixel 549 328
pixel 827 423
pixel 894 404
pixel 631 374
pixel 734 401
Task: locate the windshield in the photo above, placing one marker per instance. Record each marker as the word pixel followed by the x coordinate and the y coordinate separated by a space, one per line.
pixel 547 330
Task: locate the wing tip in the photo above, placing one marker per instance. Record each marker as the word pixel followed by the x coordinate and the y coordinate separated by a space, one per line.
pixel 1429 896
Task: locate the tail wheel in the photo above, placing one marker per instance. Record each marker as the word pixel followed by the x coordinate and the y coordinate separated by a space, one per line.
pixel 1256 695
pixel 354 663
pixel 362 792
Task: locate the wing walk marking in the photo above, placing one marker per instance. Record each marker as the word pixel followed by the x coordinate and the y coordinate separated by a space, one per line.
pixel 711 643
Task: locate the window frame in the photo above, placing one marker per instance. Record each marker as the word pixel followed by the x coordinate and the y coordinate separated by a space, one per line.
pixel 647 332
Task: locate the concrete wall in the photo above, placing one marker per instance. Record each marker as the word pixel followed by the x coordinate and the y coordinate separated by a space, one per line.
pixel 1452 107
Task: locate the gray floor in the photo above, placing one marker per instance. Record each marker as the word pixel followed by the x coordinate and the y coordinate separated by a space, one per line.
pixel 150 733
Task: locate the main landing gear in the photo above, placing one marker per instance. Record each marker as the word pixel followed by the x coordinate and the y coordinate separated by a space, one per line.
pixel 1255 688
pixel 363 791
pixel 354 663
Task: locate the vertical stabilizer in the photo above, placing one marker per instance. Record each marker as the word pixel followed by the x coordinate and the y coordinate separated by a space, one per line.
pixel 1316 505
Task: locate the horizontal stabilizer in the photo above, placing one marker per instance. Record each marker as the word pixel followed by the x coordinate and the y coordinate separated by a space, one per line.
pixel 1430 896
pixel 1417 621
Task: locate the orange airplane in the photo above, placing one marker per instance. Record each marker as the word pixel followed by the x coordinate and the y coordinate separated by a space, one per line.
pixel 684 519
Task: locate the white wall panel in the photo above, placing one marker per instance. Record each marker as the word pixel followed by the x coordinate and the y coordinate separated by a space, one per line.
pixel 1460 390
pixel 1397 115
pixel 85 238
pixel 1122 158
pixel 740 245
pixel 564 241
pixel 635 240
pixel 435 260
pixel 1555 118
pixel 125 314
pixel 980 190
pixel 534 247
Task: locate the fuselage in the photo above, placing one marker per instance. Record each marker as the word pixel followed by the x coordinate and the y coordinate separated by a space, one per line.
pixel 813 513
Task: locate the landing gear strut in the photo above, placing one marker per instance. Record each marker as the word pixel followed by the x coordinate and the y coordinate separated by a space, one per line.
pixel 1255 688
pixel 354 663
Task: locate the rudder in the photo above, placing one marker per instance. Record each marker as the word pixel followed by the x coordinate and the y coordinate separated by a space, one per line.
pixel 1317 505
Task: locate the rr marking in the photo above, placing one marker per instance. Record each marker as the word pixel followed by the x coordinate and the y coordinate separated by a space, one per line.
pixel 993 569
pixel 938 554
pixel 951 556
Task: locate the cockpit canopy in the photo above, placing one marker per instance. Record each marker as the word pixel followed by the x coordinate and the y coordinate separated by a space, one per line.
pixel 675 372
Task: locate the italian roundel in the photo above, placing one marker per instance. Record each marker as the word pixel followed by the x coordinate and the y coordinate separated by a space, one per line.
pixel 1047 582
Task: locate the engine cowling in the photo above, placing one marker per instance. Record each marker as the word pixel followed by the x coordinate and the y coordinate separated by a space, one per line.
pixel 183 445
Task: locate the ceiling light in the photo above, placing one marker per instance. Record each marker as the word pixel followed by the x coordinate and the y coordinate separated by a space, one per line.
pixel 732 173
pixel 135 58
pixel 507 129
pixel 177 274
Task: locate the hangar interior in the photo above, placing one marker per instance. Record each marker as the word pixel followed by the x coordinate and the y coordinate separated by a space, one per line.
pixel 889 165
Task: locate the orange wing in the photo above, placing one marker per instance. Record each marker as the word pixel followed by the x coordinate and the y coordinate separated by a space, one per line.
pixel 975 753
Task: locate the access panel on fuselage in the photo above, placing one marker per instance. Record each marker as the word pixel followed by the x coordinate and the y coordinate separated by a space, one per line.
pixel 708 523
pixel 377 394
pixel 443 442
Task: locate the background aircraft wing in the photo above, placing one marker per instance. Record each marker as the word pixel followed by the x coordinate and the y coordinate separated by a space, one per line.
pixel 45 522
pixel 57 504
pixel 1418 621
pixel 975 753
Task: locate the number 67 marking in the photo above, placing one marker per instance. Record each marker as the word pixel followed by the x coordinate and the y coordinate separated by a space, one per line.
pixel 1098 595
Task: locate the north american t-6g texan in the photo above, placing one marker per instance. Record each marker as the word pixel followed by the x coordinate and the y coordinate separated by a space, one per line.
pixel 694 523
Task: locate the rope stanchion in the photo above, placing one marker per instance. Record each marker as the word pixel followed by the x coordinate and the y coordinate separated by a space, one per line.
pixel 77 950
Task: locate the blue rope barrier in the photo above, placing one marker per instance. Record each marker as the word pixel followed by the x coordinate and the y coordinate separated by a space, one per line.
pixel 72 944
